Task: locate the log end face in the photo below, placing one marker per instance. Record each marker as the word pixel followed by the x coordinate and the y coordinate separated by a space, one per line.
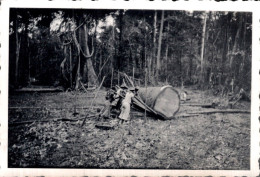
pixel 167 103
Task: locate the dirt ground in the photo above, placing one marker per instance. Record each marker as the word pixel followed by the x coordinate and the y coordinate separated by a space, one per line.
pixel 214 141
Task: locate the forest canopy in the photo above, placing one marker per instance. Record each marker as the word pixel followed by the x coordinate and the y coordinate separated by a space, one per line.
pixel 66 47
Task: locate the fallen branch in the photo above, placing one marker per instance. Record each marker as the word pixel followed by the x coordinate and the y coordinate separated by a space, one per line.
pixel 212 105
pixel 87 107
pixel 48 120
pixel 196 104
pixel 27 89
pixel 82 85
pixel 228 111
pixel 185 115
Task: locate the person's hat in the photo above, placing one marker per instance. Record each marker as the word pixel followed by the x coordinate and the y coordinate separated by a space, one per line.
pixel 113 88
pixel 136 88
pixel 124 86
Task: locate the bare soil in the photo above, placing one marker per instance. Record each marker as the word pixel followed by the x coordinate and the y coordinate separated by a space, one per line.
pixel 215 141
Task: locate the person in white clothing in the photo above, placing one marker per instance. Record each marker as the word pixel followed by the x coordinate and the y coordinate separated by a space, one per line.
pixel 125 108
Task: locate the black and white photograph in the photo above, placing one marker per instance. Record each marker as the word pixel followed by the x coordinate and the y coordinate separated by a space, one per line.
pixel 123 89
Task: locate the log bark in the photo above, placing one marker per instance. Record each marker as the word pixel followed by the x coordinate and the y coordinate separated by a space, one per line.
pixel 165 101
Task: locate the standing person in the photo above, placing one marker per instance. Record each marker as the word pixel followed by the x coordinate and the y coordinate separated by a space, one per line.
pixel 117 95
pixel 125 108
pixel 108 103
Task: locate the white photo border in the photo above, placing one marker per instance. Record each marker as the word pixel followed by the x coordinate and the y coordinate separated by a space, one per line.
pixel 250 6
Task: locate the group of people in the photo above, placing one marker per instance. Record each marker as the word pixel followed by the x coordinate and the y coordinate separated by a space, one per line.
pixel 119 101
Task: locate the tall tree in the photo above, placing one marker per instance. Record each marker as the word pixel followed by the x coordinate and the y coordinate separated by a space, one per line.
pixel 202 49
pixel 18 43
pixel 88 66
pixel 166 52
pixel 153 58
pixel 235 48
pixel 158 61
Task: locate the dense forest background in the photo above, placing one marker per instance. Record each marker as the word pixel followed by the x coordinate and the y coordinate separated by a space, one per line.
pixel 71 47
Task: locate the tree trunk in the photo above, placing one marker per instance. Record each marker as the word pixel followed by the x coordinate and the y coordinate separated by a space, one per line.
pixel 158 63
pixel 235 46
pixel 17 52
pixel 153 58
pixel 119 57
pixel 145 57
pixel 112 51
pixel 29 60
pixel 166 54
pixel 78 77
pixel 84 43
pixel 89 73
pixel 100 63
pixel 244 43
pixel 190 73
pixel 180 63
pixel 77 42
pixel 92 77
pixel 225 50
pixel 62 66
pixel 71 82
pixel 202 50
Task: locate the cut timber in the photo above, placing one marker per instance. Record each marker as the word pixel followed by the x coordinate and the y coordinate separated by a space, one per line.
pixel 165 101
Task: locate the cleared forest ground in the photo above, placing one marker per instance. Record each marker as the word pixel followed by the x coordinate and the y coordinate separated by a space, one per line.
pixel 215 141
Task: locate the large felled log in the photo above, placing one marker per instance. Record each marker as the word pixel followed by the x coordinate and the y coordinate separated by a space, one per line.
pixel 165 101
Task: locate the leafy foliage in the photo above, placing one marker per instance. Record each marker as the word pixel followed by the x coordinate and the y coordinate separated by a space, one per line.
pixel 124 40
